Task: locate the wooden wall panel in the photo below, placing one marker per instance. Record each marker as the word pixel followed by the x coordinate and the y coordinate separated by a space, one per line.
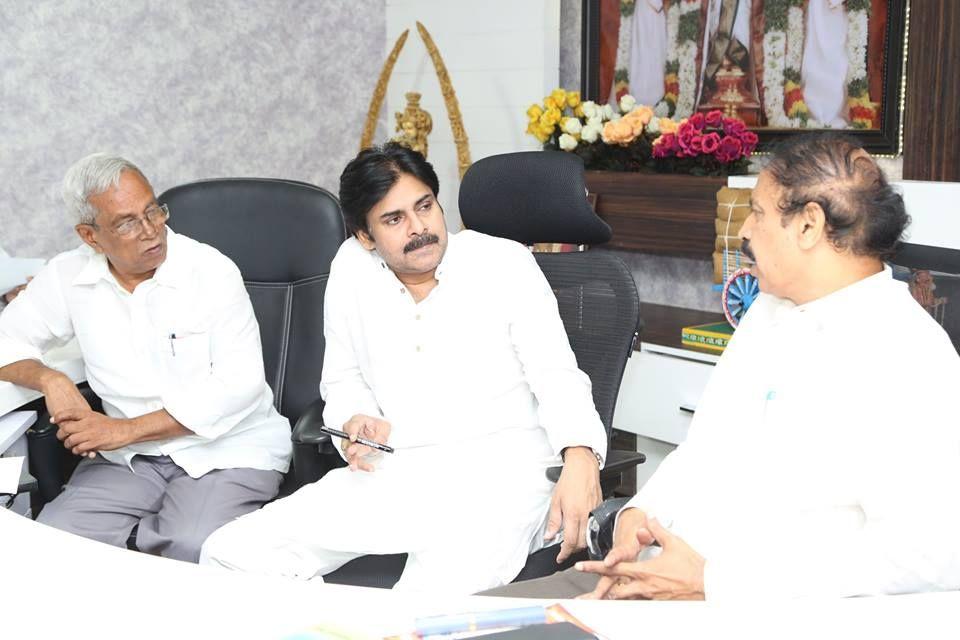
pixel 931 149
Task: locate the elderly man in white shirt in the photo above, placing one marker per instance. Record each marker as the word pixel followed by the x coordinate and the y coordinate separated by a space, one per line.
pixel 824 456
pixel 189 438
pixel 451 349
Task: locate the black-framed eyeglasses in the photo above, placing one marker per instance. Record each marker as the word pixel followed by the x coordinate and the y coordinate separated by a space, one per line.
pixel 155 215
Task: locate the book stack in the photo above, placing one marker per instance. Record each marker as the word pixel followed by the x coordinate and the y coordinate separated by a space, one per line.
pixel 733 207
pixel 713 336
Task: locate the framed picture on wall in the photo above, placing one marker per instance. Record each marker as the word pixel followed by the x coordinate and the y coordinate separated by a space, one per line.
pixel 782 66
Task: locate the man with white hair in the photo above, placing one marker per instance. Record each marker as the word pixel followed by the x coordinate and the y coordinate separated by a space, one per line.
pixel 189 438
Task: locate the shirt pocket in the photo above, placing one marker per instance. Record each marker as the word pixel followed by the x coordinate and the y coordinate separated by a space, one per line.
pixel 187 354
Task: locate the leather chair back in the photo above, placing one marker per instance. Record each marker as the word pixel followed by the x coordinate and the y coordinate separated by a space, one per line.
pixel 282 235
pixel 540 196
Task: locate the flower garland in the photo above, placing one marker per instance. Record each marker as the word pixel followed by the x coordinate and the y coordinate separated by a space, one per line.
pixel 862 112
pixel 794 104
pixel 776 20
pixel 680 73
pixel 621 69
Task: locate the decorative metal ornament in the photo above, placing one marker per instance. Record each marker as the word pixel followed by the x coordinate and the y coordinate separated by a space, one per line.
pixel 739 292
pixel 446 88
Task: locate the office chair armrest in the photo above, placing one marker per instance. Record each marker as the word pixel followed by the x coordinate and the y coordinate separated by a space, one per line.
pixel 314 453
pixel 307 429
pixel 617 462
pixel 600 527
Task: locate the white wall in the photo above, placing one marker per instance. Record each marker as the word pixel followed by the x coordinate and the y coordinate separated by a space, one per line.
pixel 501 55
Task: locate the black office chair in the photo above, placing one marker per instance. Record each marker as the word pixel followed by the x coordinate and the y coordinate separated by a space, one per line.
pixel 282 235
pixel 540 197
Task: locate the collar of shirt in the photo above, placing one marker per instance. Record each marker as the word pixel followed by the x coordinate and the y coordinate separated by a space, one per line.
pixel 443 269
pixel 173 272
pixel 834 304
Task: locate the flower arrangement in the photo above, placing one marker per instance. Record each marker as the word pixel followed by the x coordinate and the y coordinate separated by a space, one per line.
pixel 636 137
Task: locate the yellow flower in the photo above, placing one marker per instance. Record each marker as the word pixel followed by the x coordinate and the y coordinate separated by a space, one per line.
pixel 545 132
pixel 560 97
pixel 797 108
pixel 635 122
pixel 534 112
pixel 550 103
pixel 578 110
pixel 573 99
pixel 550 117
pixel 618 132
pixel 668 126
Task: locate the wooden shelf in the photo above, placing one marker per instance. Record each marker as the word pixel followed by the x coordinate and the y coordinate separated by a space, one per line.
pixel 658 213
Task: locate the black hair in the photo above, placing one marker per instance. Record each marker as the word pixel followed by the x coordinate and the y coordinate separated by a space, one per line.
pixel 863 212
pixel 368 177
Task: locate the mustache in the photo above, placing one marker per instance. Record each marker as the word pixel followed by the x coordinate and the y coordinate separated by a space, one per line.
pixel 747 251
pixel 421 241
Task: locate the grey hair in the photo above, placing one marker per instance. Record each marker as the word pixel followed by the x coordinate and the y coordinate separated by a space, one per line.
pixel 89 177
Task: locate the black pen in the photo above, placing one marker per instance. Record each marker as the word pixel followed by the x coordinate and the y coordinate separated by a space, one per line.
pixel 370 443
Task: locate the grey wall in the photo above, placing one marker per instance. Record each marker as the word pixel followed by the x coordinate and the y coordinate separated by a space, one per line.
pixel 188 89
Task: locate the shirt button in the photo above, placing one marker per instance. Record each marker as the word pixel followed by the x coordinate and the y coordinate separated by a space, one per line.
pixel 418 348
pixel 418 316
pixel 402 290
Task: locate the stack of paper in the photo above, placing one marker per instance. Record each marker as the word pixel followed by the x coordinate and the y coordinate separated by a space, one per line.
pixel 15 271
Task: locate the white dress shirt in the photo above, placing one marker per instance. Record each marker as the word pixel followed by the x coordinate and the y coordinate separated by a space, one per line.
pixel 186 340
pixel 824 456
pixel 485 353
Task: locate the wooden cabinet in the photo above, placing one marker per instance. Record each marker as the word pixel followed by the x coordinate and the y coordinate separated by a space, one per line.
pixel 662 384
pixel 658 213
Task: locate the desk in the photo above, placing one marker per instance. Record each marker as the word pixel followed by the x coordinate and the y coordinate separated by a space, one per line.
pixel 60 585
pixel 66 359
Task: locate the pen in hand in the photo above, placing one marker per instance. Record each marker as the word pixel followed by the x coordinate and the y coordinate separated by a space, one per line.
pixel 364 441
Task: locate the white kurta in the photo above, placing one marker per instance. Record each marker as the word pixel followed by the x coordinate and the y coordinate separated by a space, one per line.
pixel 186 340
pixel 482 391
pixel 824 456
pixel 824 71
pixel 648 52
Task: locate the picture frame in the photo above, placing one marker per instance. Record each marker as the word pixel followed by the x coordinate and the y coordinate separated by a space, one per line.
pixel 884 135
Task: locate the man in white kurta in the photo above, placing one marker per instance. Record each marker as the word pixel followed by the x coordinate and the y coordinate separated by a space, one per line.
pixel 824 456
pixel 188 437
pixel 451 350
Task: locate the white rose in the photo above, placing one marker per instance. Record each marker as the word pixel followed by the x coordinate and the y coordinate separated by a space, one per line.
pixel 596 122
pixel 567 142
pixel 627 103
pixel 662 110
pixel 608 113
pixel 653 126
pixel 591 132
pixel 572 126
pixel 590 109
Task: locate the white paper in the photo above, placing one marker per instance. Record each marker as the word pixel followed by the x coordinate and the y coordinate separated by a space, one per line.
pixel 10 474
pixel 15 271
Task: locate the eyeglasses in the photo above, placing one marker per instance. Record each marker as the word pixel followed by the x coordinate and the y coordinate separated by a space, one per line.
pixel 129 228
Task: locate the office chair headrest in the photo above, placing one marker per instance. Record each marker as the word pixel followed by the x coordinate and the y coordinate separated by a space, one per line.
pixel 531 196
pixel 255 220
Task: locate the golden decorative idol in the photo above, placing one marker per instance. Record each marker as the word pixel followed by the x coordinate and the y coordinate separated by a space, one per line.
pixel 446 88
pixel 414 124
